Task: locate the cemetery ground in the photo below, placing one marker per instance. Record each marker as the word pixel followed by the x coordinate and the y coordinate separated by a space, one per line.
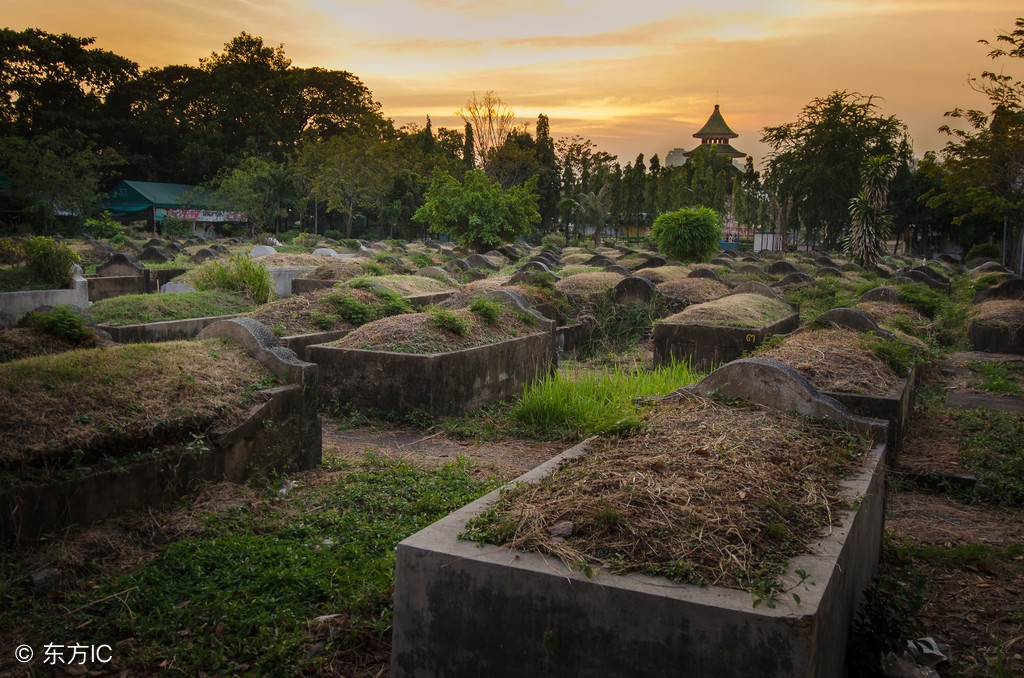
pixel 294 572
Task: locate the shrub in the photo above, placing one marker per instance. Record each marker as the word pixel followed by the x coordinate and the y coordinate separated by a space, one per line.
pixel 689 234
pixel 11 252
pixel 445 319
pixel 176 227
pixel 63 322
pixel 103 226
pixel 237 274
pixel 51 260
pixel 306 240
pixel 983 250
pixel 421 259
pixel 486 309
pixel 556 239
pixel 333 234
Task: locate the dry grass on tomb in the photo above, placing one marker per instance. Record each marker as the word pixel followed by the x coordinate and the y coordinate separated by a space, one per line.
pixel 1004 312
pixel 835 360
pixel 709 494
pixel 82 406
pixel 663 274
pixel 735 310
pixel 693 290
pixel 587 284
pixel 494 283
pixel 25 342
pixel 317 311
pixel 283 260
pixel 424 333
pixel 336 269
pixel 410 285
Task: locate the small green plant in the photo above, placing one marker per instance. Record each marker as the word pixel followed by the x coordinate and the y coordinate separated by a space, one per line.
pixel 332 234
pixel 889 614
pixel 448 320
pixel 353 310
pixel 64 322
pixel 308 240
pixel 103 226
pixel 173 226
pixel 899 356
pixel 556 239
pixel 373 268
pixel 237 274
pixel 11 252
pixel 321 321
pixel 486 309
pixel 421 259
pixel 51 260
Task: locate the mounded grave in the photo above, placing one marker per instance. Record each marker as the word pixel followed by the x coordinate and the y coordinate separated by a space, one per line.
pixel 722 330
pixel 463 609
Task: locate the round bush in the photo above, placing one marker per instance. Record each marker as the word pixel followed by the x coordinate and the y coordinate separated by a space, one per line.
pixel 688 235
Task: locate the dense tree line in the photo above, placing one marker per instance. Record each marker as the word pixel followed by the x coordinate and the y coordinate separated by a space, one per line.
pixel 310 147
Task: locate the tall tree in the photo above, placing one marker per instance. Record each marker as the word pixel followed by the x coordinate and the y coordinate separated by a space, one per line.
pixel 514 162
pixel 985 163
pixel 870 220
pixel 55 83
pixel 548 184
pixel 492 120
pixel 476 211
pixel 468 149
pixel 816 160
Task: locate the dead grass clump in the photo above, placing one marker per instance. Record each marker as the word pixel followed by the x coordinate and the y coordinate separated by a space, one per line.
pixel 735 310
pixel 439 331
pixel 663 274
pixel 25 342
pixel 693 290
pixel 282 260
pixel 411 285
pixel 711 494
pixel 835 360
pixel 338 269
pixel 587 284
pixel 317 311
pixel 1000 312
pixel 576 259
pixel 493 283
pixel 82 406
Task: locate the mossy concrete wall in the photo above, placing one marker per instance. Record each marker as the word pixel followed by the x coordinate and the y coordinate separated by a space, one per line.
pixel 101 288
pixel 1001 338
pixel 442 385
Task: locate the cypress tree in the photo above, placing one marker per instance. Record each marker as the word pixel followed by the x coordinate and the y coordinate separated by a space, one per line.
pixel 468 154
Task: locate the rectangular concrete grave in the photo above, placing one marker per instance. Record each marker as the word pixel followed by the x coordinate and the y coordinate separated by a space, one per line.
pixel 167 330
pixel 443 384
pixel 283 278
pixel 894 407
pixel 997 338
pixel 101 288
pixel 15 305
pixel 707 345
pixel 282 430
pixel 299 342
pixel 304 285
pixel 464 610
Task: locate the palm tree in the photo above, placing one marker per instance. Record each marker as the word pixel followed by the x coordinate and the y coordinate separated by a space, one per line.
pixel 870 221
pixel 594 209
pixel 278 185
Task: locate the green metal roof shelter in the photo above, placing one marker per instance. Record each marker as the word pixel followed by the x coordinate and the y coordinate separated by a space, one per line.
pixel 141 198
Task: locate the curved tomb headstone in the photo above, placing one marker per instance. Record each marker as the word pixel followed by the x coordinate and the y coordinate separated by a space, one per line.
pixel 781 268
pixel 886 294
pixel 853 319
pixel 828 272
pixel 155 255
pixel 203 255
pixel 480 261
pixel 599 260
pixel 825 261
pixel 704 273
pixel 534 266
pixel 621 270
pixel 325 252
pixel 719 261
pixel 635 290
pixel 1008 289
pixel 261 251
pixel 121 265
pixel 750 269
pixel 796 278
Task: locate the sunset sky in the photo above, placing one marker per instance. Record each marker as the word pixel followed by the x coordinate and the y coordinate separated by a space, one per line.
pixel 635 76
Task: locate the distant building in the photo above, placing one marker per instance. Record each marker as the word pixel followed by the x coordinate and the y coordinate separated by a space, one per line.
pixel 716 134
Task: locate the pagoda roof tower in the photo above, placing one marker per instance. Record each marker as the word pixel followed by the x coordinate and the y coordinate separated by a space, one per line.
pixel 716 133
